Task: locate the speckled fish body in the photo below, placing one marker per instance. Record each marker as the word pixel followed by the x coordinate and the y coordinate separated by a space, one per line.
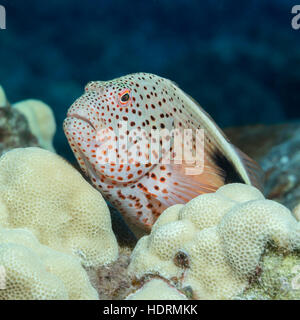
pixel 120 117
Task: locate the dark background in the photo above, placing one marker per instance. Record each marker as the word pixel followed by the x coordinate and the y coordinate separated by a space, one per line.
pixel 239 59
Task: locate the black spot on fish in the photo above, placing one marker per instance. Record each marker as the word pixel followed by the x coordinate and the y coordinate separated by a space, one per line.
pixel 231 175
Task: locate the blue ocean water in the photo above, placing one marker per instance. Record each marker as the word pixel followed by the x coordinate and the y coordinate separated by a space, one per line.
pixel 239 59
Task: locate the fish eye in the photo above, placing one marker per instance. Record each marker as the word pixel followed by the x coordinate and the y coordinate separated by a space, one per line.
pixel 124 98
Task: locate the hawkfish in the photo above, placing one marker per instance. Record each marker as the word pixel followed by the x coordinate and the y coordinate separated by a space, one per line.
pixel 113 127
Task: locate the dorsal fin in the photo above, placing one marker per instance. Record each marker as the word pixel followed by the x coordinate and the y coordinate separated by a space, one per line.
pixel 235 166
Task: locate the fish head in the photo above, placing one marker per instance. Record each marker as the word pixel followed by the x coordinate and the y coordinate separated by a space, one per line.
pixel 109 127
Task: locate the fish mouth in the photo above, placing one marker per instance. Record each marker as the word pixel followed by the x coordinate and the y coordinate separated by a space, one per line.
pixel 82 118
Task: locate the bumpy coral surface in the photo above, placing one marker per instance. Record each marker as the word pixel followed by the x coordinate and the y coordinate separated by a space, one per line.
pixel 212 246
pixel 157 289
pixel 42 192
pixel 41 121
pixel 36 272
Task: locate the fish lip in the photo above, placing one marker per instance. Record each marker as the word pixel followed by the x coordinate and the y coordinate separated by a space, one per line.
pixel 79 117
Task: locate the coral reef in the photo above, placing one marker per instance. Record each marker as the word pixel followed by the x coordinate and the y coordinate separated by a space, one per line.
pixel 282 167
pixel 28 123
pixel 231 244
pixel 14 129
pixel 41 121
pixel 212 246
pixel 42 192
pixel 257 140
pixel 278 278
pixel 276 148
pixel 36 272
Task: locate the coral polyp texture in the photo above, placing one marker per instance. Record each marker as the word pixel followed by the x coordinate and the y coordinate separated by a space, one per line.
pixel 36 272
pixel 212 247
pixel 40 191
pixel 41 121
pixel 157 289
